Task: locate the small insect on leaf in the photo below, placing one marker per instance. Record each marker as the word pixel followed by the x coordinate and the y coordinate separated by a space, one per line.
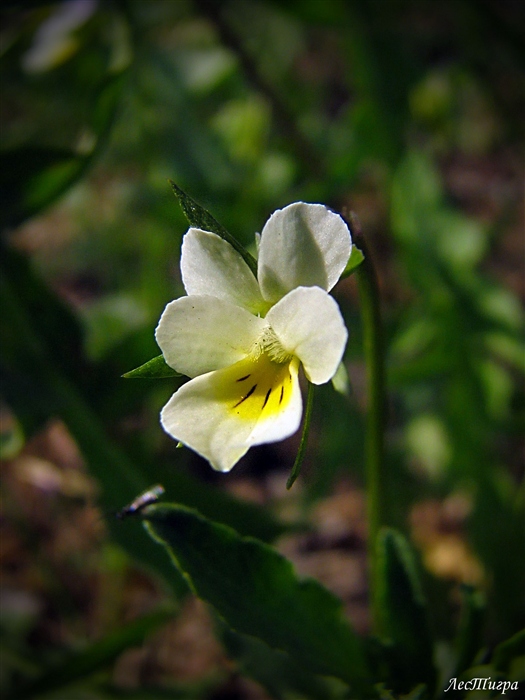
pixel 144 499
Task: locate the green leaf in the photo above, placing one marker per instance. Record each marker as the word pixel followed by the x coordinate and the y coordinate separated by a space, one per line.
pixel 97 656
pixel 508 651
pixel 280 675
pixel 355 259
pixel 419 693
pixel 31 178
pixel 256 591
pixel 247 518
pixel 155 368
pixel 403 613
pixel 200 218
pixel 43 373
pixel 468 642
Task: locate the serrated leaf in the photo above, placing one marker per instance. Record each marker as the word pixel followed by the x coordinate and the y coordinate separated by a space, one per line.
pixel 156 368
pixel 256 591
pixel 355 259
pixel 404 621
pixel 199 217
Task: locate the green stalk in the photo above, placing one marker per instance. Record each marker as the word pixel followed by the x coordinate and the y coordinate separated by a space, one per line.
pixel 373 346
pixel 304 437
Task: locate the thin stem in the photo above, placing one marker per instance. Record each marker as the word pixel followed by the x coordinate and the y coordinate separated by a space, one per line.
pixel 304 437
pixel 373 345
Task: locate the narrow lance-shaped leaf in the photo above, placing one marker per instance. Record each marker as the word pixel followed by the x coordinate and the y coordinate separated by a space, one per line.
pixel 156 368
pixel 404 621
pixel 199 217
pixel 256 591
pixel 469 638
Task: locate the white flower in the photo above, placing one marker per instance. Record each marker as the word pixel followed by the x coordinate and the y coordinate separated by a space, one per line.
pixel 242 339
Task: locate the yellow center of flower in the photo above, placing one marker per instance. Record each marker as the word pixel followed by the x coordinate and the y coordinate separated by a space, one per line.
pixel 258 386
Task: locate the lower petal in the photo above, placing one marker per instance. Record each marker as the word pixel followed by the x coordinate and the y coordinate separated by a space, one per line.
pixel 222 414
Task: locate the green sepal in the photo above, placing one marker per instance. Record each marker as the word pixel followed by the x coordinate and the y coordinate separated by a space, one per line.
pixel 256 591
pixel 403 615
pixel 155 368
pixel 355 259
pixel 199 217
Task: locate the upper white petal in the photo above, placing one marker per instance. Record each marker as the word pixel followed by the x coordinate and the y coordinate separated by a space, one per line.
pixel 309 325
pixel 210 265
pixel 302 245
pixel 202 415
pixel 198 334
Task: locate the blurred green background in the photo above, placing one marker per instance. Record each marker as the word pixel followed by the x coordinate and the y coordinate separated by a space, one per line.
pixel 409 113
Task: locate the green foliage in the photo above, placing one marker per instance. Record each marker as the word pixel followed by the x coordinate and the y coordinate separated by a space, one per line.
pixel 470 629
pixel 198 217
pixel 153 369
pixel 510 651
pixel 250 106
pixel 32 178
pixel 32 319
pixel 356 258
pixel 404 622
pixel 276 671
pixel 96 657
pixel 255 590
pixel 442 350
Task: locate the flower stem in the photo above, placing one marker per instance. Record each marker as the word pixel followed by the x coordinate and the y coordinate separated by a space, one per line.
pixel 304 437
pixel 373 345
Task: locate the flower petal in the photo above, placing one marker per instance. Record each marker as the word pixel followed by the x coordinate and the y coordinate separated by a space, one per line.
pixel 302 245
pixel 222 414
pixel 198 334
pixel 210 265
pixel 309 325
